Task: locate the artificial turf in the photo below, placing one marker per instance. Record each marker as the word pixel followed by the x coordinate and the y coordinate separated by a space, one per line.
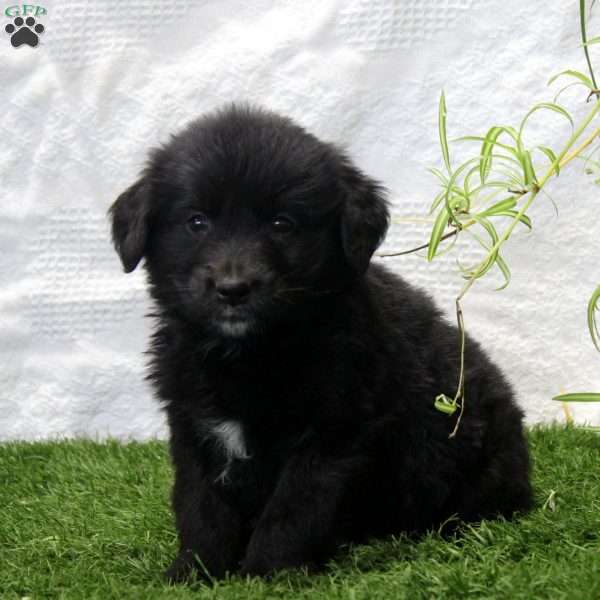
pixel 80 519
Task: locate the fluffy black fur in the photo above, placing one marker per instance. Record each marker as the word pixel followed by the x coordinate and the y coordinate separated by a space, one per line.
pixel 299 379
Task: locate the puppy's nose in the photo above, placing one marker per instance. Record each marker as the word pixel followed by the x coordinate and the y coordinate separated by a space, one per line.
pixel 233 290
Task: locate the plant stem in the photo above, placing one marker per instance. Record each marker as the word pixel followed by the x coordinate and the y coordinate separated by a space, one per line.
pixel 460 391
pixel 444 237
pixel 567 159
pixel 584 40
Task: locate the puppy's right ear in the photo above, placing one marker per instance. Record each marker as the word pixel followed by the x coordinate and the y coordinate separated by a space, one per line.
pixel 130 216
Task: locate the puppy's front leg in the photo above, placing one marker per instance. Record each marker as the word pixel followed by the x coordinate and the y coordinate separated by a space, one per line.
pixel 300 524
pixel 210 530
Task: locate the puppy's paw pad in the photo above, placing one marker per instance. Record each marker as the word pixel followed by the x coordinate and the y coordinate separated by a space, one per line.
pixel 24 32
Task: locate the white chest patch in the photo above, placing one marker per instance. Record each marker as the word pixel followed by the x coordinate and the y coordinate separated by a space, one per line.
pixel 231 436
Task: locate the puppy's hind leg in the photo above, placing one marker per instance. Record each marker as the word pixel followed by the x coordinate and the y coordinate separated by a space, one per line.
pixel 502 485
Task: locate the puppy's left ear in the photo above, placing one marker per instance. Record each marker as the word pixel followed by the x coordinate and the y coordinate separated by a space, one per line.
pixel 365 218
pixel 130 216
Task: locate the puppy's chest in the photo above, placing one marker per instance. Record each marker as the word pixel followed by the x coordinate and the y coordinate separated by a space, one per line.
pixel 227 439
pixel 240 469
pixel 232 455
pixel 248 425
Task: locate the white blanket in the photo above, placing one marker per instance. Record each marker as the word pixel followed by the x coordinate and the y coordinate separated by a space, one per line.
pixel 108 80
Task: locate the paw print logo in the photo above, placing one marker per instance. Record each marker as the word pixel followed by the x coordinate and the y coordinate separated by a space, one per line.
pixel 24 32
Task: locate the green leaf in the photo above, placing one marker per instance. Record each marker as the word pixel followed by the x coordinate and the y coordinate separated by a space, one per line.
pixel 546 106
pixel 487 225
pixel 509 160
pixel 436 201
pixel 466 184
pixel 551 157
pixel 491 259
pixel 451 189
pixel 594 40
pixel 512 132
pixel 490 141
pixel 483 269
pixel 486 199
pixel 443 179
pixel 485 160
pixel 447 248
pixel 505 271
pixel 500 185
pixel 566 87
pixel 515 180
pixel 445 404
pixel 578 397
pixel 513 213
pixel 593 307
pixel 499 207
pixel 576 74
pixel 554 205
pixel 441 222
pixel 478 138
pixel 442 130
pixel 528 170
pixel 487 155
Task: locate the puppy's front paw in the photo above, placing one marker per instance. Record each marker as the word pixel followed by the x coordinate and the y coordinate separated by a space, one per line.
pixel 256 569
pixel 181 568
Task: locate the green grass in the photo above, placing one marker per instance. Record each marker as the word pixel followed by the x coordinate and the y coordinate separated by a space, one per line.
pixel 86 520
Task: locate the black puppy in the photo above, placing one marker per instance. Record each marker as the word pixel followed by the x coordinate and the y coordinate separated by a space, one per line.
pixel 298 379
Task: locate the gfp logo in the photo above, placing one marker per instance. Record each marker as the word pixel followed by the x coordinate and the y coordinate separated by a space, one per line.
pixel 24 30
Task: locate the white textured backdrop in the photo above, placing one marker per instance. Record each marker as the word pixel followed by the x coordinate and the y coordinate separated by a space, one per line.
pixel 111 78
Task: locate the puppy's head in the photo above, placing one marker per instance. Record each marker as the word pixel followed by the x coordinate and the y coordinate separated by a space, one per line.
pixel 245 219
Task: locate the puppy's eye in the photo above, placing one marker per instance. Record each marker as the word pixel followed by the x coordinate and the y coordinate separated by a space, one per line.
pixel 198 223
pixel 282 224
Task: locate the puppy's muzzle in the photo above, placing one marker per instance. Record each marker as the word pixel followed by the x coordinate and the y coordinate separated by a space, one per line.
pixel 233 290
